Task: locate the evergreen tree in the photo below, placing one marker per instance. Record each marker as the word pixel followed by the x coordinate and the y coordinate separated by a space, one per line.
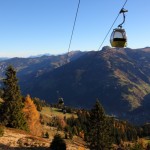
pixel 117 136
pixel 11 110
pixel 38 103
pixel 148 146
pixel 100 129
pixel 1 93
pixel 58 143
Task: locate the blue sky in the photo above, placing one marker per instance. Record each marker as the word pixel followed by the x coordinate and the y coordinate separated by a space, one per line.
pixel 31 27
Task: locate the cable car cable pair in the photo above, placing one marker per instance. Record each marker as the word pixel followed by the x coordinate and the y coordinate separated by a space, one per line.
pixel 123 31
pixel 118 37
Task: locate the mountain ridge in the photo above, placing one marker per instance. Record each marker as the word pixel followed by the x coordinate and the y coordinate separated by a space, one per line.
pixel 37 64
pixel 119 78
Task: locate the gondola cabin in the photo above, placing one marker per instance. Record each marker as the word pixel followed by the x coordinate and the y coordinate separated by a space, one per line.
pixel 118 38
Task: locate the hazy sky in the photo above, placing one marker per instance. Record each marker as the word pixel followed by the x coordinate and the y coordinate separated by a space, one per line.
pixel 30 27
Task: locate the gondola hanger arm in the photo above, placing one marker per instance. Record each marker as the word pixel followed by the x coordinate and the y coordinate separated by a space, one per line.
pixel 123 11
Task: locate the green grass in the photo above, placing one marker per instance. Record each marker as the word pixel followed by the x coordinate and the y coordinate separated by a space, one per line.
pixel 49 111
pixel 147 139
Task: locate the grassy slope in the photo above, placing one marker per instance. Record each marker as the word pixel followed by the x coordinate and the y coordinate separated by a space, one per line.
pixel 55 112
pixel 134 91
pixel 20 140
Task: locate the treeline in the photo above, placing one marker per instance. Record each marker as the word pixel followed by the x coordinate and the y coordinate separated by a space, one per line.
pixel 118 131
pixel 17 111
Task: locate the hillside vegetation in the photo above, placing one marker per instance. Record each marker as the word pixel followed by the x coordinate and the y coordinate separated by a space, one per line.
pixel 31 123
pixel 120 78
pixel 20 140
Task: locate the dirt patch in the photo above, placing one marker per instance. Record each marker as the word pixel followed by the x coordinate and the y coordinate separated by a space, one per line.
pixel 17 138
pixel 14 139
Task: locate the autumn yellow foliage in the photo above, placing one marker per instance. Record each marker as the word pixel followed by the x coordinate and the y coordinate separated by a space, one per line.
pixel 81 148
pixel 32 116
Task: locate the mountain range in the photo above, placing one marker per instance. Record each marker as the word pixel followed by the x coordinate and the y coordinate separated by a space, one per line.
pixel 36 65
pixel 3 58
pixel 119 78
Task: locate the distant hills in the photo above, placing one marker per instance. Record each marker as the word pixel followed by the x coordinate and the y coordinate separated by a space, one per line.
pixel 3 58
pixel 36 65
pixel 119 78
pixel 40 55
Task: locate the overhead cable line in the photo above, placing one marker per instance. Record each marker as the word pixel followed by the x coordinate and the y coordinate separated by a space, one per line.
pixel 97 52
pixel 70 41
pixel 111 26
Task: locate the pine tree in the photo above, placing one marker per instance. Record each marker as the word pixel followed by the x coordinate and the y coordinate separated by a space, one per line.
pixel 32 116
pixel 100 129
pixel 11 110
pixel 58 143
pixel 1 93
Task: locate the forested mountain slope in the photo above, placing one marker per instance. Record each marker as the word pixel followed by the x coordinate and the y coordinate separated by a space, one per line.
pixel 119 78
